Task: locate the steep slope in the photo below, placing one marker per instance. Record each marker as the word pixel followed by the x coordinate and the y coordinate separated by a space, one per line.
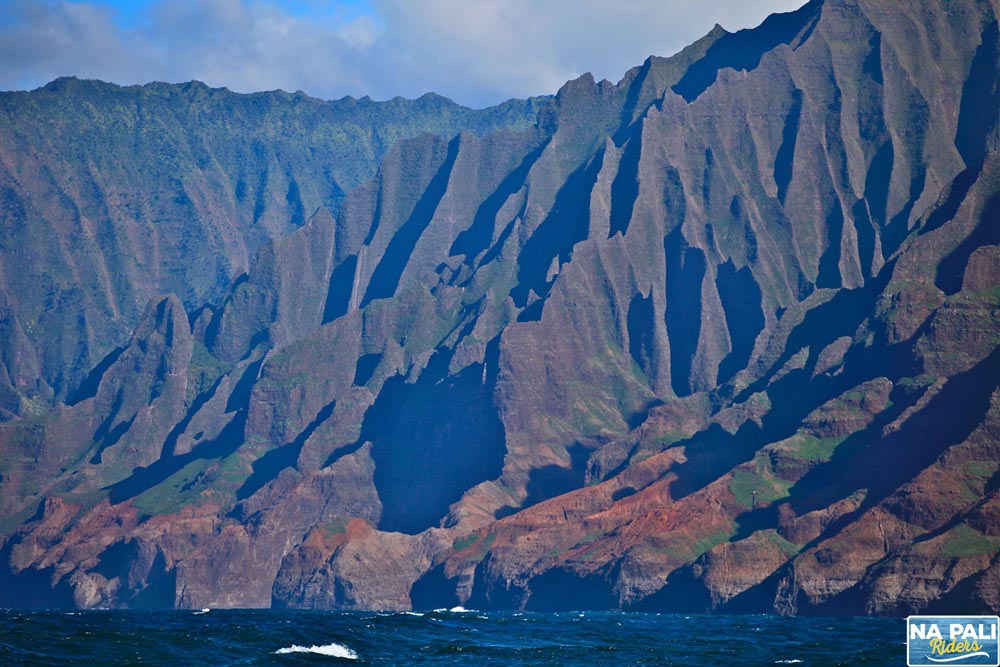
pixel 111 195
pixel 721 336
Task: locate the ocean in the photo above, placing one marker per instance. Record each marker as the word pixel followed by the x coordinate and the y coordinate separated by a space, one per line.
pixel 455 637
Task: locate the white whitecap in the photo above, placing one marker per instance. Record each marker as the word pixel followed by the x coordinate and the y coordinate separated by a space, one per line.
pixel 787 662
pixel 411 613
pixel 459 610
pixel 332 650
pixel 202 611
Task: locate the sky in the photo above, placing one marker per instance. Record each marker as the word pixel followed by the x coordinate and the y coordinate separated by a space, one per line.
pixel 477 52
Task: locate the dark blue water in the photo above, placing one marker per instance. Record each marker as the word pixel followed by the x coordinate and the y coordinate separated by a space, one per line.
pixel 442 638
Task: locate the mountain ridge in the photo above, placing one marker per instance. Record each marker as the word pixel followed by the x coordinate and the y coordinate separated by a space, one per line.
pixel 608 361
pixel 167 188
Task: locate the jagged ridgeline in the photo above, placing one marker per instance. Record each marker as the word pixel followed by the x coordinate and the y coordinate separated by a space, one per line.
pixel 110 196
pixel 722 336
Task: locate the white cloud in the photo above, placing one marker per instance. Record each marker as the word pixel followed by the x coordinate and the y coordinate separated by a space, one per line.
pixel 523 47
pixel 477 52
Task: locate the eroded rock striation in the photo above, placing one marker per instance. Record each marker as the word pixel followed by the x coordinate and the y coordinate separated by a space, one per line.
pixel 110 196
pixel 722 336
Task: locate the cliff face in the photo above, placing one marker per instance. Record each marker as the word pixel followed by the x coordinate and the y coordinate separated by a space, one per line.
pixel 110 196
pixel 723 336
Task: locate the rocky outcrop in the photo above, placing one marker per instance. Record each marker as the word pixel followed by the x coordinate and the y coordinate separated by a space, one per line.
pixel 721 336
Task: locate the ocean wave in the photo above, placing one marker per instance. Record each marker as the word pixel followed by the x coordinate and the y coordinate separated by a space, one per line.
pixel 332 650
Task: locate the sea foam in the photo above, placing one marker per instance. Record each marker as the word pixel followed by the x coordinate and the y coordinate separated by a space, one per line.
pixel 332 650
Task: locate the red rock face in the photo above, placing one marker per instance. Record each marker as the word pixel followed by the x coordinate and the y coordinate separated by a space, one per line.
pixel 723 336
